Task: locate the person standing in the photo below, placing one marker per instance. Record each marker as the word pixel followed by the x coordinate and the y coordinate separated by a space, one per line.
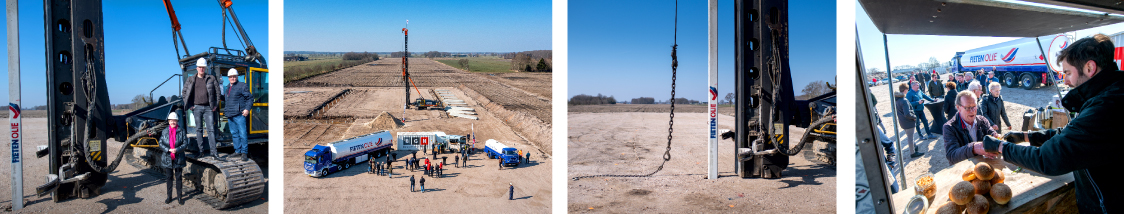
pixel 411 183
pixel 202 92
pixel 389 166
pixel 510 191
pixel 422 182
pixel 528 157
pixel 966 130
pixel 935 87
pixel 917 102
pixel 1087 147
pixel 173 158
pixel 906 118
pixel 238 103
pixel 457 161
pixel 992 107
pixel 950 100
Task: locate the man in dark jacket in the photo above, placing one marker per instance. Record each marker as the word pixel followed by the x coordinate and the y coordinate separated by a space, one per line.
pixel 1088 145
pixel 238 103
pixel 906 119
pixel 936 88
pixel 201 92
pixel 992 107
pixel 962 134
pixel 950 100
pixel 411 183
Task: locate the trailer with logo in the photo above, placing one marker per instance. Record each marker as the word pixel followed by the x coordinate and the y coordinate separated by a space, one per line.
pixel 340 155
pixel 416 141
pixel 1017 63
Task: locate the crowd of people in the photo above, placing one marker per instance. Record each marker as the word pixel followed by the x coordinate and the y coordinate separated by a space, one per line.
pixel 977 117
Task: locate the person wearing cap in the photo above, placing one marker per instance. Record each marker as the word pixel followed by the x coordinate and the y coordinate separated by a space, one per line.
pixel 238 102
pixel 510 191
pixel 172 157
pixel 201 92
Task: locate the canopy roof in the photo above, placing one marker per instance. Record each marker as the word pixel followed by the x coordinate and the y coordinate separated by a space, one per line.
pixel 988 17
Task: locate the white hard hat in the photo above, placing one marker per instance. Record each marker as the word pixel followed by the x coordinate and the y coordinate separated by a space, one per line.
pixel 173 116
pixel 201 63
pixel 232 72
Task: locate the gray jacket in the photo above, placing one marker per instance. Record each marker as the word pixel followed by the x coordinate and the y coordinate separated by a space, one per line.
pixel 906 119
pixel 213 86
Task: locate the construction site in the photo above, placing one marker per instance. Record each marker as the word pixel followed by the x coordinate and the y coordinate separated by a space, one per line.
pixel 681 186
pixel 512 108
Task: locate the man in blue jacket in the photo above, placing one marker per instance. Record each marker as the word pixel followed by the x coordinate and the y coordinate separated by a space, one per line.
pixel 1088 145
pixel 916 97
pixel 238 103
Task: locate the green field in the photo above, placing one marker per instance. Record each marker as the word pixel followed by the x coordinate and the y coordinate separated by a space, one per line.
pixel 481 64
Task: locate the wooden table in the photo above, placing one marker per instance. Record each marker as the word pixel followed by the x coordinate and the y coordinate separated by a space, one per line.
pixel 1029 189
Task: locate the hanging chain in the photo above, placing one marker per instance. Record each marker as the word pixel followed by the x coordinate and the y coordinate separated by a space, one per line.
pixel 671 119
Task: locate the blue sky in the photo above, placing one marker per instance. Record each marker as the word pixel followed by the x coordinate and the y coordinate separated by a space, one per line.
pixel 915 49
pixel 449 26
pixel 622 48
pixel 138 47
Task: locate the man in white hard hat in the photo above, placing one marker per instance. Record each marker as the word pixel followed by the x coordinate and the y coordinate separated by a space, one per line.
pixel 237 108
pixel 201 94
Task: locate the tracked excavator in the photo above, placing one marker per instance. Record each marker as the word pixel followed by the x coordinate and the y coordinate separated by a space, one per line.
pixel 81 121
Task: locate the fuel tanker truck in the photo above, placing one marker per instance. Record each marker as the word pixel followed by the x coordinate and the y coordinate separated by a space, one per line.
pixel 340 155
pixel 1017 63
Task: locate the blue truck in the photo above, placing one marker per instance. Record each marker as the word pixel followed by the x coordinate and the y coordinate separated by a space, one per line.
pixel 340 155
pixel 495 150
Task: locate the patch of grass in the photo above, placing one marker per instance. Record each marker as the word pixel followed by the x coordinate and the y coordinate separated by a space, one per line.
pixel 480 64
pixel 295 70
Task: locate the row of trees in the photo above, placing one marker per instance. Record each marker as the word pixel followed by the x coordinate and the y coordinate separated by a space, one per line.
pixel 583 99
pixel 531 61
pixel 361 56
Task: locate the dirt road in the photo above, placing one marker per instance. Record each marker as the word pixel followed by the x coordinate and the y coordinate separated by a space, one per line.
pixel 128 190
pixel 632 143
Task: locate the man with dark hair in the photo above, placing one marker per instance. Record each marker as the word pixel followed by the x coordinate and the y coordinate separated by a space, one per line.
pixel 962 134
pixel 935 89
pixel 1088 145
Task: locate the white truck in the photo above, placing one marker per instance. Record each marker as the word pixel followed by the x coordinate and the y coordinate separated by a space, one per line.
pixel 1019 62
pixel 415 141
pixel 337 156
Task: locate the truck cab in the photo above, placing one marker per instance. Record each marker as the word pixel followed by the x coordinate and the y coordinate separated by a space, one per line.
pixel 511 156
pixel 318 161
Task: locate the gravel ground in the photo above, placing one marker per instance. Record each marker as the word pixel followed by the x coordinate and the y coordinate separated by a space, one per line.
pixel 632 143
pixel 128 190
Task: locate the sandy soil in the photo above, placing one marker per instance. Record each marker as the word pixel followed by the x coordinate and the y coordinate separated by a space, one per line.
pixel 1017 101
pixel 632 143
pixel 679 108
pixel 127 191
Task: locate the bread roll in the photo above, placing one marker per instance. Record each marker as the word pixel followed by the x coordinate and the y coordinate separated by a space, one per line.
pixel 950 208
pixel 1001 193
pixel 962 192
pixel 982 187
pixel 978 205
pixel 984 171
pixel 969 174
pixel 999 177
